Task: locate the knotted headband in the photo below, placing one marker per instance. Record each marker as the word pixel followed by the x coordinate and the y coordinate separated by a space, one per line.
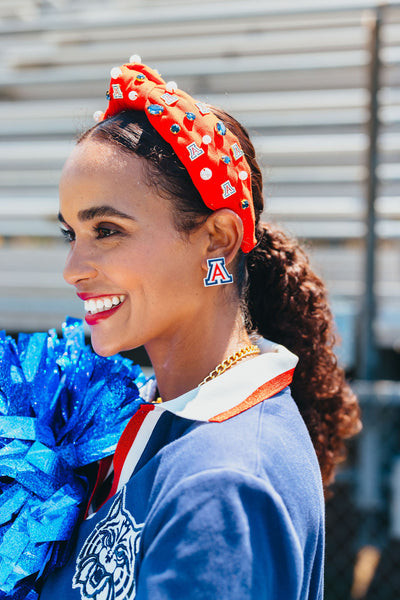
pixel 210 152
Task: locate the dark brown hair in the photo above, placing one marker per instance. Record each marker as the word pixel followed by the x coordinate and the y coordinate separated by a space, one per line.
pixel 284 300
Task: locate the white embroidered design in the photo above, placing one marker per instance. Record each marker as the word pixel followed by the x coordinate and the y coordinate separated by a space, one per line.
pixel 194 151
pixel 105 566
pixel 227 189
pixel 117 92
pixel 237 151
pixel 170 99
pixel 203 108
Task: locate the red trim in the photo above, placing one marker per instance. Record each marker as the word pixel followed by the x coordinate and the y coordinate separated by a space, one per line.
pixel 104 466
pixel 125 443
pixel 267 390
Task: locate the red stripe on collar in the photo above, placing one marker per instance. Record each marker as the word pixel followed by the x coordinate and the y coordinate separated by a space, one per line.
pixel 267 390
pixel 104 466
pixel 125 443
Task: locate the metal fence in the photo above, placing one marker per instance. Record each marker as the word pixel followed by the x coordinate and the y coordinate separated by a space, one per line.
pixel 363 516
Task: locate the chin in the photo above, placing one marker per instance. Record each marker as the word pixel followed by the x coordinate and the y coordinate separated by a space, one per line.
pixel 110 346
pixel 105 348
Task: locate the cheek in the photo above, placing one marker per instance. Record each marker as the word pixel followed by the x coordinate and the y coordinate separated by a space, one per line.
pixel 122 266
pixel 176 274
pixel 157 269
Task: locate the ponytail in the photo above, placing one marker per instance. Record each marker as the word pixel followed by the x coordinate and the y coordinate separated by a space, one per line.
pixel 287 303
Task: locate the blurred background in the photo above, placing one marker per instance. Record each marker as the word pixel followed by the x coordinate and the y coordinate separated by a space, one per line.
pixel 317 84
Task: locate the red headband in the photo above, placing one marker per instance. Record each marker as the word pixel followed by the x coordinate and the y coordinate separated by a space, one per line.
pixel 210 152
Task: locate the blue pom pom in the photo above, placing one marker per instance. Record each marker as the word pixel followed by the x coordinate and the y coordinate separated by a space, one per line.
pixel 61 407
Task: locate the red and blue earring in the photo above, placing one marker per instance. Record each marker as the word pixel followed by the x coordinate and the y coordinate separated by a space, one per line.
pixel 217 272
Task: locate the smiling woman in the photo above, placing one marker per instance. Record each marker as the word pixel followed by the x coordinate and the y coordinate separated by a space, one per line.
pixel 216 485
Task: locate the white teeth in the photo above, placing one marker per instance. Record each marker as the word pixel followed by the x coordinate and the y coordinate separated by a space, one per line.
pixel 102 304
pixel 92 305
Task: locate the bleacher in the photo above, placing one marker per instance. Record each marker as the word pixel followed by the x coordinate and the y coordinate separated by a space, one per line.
pixel 295 73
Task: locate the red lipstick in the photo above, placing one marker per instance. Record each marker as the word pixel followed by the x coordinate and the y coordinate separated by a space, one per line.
pixel 100 307
pixel 93 319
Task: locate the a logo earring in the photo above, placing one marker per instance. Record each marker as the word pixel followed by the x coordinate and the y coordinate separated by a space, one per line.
pixel 217 272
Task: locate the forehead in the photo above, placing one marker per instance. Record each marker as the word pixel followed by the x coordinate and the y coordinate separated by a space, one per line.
pixel 91 156
pixel 99 174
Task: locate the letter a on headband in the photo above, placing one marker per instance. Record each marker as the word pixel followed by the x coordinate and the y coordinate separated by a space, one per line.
pixel 217 272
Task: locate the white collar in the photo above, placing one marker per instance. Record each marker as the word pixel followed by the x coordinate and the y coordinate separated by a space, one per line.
pixel 235 390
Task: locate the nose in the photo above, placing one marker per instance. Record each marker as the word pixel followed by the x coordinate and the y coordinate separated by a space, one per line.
pixel 79 265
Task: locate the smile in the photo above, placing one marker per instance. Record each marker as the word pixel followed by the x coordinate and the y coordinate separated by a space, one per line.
pixel 98 305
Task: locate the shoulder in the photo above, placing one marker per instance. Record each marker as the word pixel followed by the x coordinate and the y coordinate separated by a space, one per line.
pixel 266 447
pixel 250 441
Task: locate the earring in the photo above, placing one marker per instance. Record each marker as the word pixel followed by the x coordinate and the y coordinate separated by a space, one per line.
pixel 217 272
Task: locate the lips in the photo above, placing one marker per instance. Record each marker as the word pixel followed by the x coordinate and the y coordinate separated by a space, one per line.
pixel 101 307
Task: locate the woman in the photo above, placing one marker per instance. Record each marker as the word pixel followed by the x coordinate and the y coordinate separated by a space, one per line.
pixel 215 489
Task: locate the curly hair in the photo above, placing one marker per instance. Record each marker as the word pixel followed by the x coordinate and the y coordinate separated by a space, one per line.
pixel 283 299
pixel 288 304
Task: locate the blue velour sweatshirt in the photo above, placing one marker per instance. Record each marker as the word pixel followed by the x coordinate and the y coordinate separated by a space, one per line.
pixel 216 495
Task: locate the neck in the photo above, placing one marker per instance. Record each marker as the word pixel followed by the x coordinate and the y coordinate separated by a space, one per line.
pixel 183 361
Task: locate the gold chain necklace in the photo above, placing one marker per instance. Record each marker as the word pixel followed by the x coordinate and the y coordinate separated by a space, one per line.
pixel 230 361
pixel 226 364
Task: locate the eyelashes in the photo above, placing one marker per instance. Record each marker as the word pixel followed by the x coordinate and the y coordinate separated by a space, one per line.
pixel 67 234
pixel 101 232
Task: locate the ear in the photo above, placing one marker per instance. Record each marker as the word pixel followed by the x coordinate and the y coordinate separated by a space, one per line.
pixel 225 234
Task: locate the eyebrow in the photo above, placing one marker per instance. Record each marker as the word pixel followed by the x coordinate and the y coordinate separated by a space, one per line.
pixel 98 211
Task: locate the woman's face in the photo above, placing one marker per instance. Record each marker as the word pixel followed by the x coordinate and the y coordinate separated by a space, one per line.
pixel 141 280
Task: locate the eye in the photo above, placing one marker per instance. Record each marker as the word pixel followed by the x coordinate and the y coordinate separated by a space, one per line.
pixel 120 555
pixel 67 234
pixel 108 539
pixel 104 232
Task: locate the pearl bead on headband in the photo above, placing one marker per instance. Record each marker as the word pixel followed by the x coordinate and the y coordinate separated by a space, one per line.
pixel 210 152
